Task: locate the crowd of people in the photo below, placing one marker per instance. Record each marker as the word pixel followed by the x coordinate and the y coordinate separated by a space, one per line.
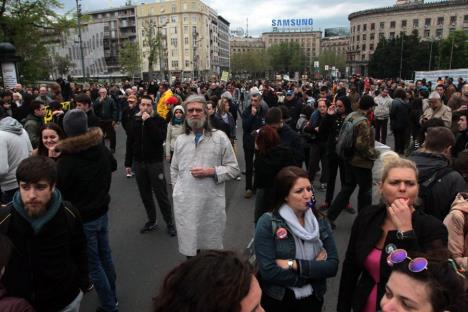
pixel 408 246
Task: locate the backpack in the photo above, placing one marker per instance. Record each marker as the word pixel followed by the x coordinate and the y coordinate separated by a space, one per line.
pixel 426 194
pixel 345 142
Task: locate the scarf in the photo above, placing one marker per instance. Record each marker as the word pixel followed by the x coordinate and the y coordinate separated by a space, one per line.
pixel 177 121
pixel 38 223
pixel 307 240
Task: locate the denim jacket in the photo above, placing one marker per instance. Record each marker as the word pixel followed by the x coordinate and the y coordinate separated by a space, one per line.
pixel 268 248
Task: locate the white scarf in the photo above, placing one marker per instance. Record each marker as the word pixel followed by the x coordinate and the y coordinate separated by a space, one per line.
pixel 307 240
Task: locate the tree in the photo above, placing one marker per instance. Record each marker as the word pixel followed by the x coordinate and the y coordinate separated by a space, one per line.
pixel 62 65
pixel 286 57
pixel 130 59
pixel 152 40
pixel 331 58
pixel 251 63
pixel 453 51
pixel 30 26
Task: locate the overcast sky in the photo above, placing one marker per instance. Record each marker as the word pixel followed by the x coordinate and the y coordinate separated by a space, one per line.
pixel 325 13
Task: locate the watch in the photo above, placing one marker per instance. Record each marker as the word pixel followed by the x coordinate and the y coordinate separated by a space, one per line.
pixel 290 264
pixel 404 235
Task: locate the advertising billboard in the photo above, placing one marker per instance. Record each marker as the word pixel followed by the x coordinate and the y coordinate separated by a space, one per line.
pixel 292 24
pixel 336 32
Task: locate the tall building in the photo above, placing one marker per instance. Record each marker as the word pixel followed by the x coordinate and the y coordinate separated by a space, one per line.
pixel 432 20
pixel 224 52
pixel 309 42
pixel 190 45
pixel 337 45
pixel 248 44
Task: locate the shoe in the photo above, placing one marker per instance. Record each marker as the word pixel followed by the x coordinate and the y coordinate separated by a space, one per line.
pixel 238 178
pixel 248 194
pixel 129 175
pixel 149 226
pixel 324 206
pixel 350 209
pixel 171 231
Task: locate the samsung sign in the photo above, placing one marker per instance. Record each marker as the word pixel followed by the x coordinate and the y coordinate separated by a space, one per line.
pixel 292 24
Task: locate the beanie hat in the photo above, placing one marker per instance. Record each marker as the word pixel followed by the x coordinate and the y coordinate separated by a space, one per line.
pixel 75 122
pixel 172 100
pixel 179 107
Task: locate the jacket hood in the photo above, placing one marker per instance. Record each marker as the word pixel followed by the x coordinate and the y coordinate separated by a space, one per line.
pixel 81 142
pixel 11 125
pixel 460 204
pixel 428 163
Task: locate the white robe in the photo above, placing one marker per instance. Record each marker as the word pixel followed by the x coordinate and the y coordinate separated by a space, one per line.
pixel 199 203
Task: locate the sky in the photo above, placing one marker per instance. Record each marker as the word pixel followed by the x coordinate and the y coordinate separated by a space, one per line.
pixel 325 13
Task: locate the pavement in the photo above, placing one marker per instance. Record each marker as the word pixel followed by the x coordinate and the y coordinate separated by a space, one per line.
pixel 143 260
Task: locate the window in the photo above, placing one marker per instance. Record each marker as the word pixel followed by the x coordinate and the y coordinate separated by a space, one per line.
pixel 363 47
pixel 465 19
pixel 427 33
pixel 372 36
pixel 392 35
pixel 194 18
pixel 381 36
pixel 185 19
pixel 364 37
pixel 392 24
pixel 371 47
pixel 453 20
pixel 174 19
pixel 403 23
pixel 415 23
pixel 186 40
pixel 174 30
pixel 364 27
pixel 175 64
pixel 372 26
pixel 451 30
pixel 173 9
pixel 439 33
pixel 185 29
pixel 187 63
pixel 363 57
pixel 358 27
pixel 174 42
pixel 382 25
pixel 357 38
pixel 440 21
pixel 427 22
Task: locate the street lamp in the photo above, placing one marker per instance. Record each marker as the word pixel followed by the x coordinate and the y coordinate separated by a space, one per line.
pixel 78 11
pixel 161 70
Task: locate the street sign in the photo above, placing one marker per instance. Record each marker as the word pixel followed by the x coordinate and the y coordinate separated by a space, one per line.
pixel 326 67
pixel 333 68
pixel 316 64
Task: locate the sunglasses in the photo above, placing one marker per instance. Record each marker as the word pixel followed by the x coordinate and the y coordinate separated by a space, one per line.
pixel 415 265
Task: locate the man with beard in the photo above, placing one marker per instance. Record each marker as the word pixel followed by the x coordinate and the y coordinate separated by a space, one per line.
pixel 145 147
pixel 203 160
pixel 48 266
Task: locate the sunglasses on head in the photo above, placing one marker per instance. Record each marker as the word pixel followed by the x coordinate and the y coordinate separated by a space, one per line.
pixel 415 265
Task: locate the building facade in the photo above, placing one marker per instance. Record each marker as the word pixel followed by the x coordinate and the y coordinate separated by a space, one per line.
pixel 309 42
pixel 434 20
pixel 224 50
pixel 190 39
pixel 336 45
pixel 244 45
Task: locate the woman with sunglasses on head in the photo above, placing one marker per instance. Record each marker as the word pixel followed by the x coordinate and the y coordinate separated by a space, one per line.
pixel 394 222
pixel 424 285
pixel 294 247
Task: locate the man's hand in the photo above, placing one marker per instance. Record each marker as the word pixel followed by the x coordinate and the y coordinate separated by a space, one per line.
pixel 254 111
pixel 145 116
pixel 201 172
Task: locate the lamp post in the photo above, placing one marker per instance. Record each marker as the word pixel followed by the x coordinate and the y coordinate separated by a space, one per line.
pixel 430 54
pixel 160 37
pixel 451 51
pixel 78 11
pixel 401 55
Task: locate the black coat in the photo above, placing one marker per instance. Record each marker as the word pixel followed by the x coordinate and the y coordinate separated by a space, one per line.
pixel 48 268
pixel 356 283
pixel 400 114
pixel 93 120
pixel 251 123
pixel 85 169
pixel 145 140
pixel 267 166
pixel 292 140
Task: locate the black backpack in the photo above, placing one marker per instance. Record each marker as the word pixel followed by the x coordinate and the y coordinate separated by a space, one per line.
pixel 427 195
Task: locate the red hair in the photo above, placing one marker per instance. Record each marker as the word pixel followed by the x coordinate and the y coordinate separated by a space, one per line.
pixel 267 138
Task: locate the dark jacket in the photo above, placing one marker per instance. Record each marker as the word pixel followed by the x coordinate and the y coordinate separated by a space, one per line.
pixel 85 169
pixel 32 125
pixel 145 140
pixel 93 120
pixel 268 248
pixel 268 165
pixel 446 188
pixel 48 268
pixel 294 109
pixel 228 128
pixel 331 125
pixel 106 109
pixel 461 143
pixel 399 114
pixel 13 304
pixel 128 115
pixel 251 123
pixel 292 140
pixel 356 283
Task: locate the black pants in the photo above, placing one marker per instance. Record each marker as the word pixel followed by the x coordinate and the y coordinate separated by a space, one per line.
pixel 249 160
pixel 401 140
pixel 318 152
pixel 290 303
pixel 109 132
pixel 334 162
pixel 353 176
pixel 381 130
pixel 150 178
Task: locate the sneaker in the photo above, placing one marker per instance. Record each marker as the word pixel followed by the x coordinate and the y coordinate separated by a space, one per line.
pixel 248 194
pixel 171 231
pixel 350 209
pixel 324 206
pixel 149 226
pixel 129 175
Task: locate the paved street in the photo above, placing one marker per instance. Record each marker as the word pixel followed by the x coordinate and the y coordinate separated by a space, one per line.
pixel 142 261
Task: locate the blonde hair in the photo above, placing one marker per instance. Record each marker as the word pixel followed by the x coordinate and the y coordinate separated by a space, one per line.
pixel 221 105
pixel 391 160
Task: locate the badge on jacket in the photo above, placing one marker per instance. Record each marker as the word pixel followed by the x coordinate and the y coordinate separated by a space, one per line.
pixel 281 233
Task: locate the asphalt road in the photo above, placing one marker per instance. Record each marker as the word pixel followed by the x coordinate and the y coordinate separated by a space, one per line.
pixel 143 260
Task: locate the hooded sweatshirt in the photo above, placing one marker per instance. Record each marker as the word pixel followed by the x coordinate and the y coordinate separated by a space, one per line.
pixel 456 223
pixel 14 147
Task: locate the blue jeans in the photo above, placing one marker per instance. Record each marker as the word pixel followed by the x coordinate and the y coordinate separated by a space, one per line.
pixel 101 267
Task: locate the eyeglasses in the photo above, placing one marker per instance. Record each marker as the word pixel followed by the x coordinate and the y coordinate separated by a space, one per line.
pixel 415 265
pixel 192 110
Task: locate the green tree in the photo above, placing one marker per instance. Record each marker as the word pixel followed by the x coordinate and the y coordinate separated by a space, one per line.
pixel 453 51
pixel 62 65
pixel 251 63
pixel 30 26
pixel 129 59
pixel 331 58
pixel 152 40
pixel 286 57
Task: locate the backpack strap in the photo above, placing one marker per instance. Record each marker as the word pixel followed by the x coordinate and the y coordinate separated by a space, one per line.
pixel 5 217
pixel 71 214
pixel 439 174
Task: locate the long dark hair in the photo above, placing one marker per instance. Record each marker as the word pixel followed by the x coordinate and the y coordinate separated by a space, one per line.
pixel 41 149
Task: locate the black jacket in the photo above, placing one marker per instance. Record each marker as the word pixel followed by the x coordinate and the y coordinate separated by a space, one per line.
pixel 268 165
pixel 48 268
pixel 93 120
pixel 356 283
pixel 85 169
pixel 446 188
pixel 331 124
pixel 128 115
pixel 291 139
pixel 251 123
pixel 145 140
pixel 399 114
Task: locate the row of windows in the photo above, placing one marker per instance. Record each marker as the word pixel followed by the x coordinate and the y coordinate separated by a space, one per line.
pixel 404 23
pixel 426 34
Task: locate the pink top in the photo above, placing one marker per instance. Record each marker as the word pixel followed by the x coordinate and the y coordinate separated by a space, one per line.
pixel 372 265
